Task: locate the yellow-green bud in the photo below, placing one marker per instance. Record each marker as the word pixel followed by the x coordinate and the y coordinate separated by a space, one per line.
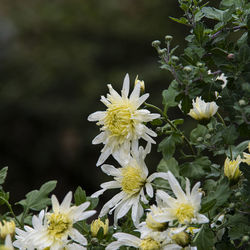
pixel 97 224
pixel 142 85
pixel 232 170
pixel 168 38
pixel 199 64
pixel 7 227
pixel 199 139
pixel 181 239
pixel 156 43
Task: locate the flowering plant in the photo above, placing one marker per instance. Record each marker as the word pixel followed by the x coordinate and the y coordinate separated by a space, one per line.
pixel 199 191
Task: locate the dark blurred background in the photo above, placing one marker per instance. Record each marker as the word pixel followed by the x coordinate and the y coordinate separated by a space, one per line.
pixel 56 59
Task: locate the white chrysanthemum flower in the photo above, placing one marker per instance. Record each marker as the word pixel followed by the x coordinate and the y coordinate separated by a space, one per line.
pixel 122 124
pixel 156 240
pixel 185 208
pixel 202 110
pixel 55 230
pixel 132 178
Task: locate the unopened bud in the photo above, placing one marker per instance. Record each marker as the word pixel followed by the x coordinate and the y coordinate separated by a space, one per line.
pixel 242 102
pixel 156 43
pixel 199 139
pixel 181 239
pixel 162 51
pixel 168 38
pixel 97 224
pixel 188 69
pixel 245 238
pixel 175 58
pixel 232 205
pixel 238 194
pixel 207 136
pixel 142 85
pixel 230 56
pixel 199 64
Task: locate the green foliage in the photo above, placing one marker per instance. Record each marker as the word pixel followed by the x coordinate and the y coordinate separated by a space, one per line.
pixel 38 199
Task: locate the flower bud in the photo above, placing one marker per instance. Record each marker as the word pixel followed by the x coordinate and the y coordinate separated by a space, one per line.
pixel 142 85
pixel 199 64
pixel 207 136
pixel 175 58
pixel 242 102
pixel 168 38
pixel 162 51
pixel 156 43
pixel 230 56
pixel 232 170
pixel 181 239
pixel 97 224
pixel 7 227
pixel 188 69
pixel 245 238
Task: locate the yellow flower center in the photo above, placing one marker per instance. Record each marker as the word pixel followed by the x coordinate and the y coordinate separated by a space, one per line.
pixel 58 225
pixel 154 225
pixel 149 244
pixel 118 119
pixel 184 213
pixel 132 180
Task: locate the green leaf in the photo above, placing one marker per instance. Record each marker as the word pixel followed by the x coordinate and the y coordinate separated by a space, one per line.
pixel 167 145
pixel 204 241
pixel 213 13
pixel 196 169
pixel 169 165
pixel 229 135
pixel 93 202
pixel 4 197
pixel 198 132
pixel 3 174
pixel 38 199
pixel 181 20
pixel 169 96
pixel 79 196
pixel 205 207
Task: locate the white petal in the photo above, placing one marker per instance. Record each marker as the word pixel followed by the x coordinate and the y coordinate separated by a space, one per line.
pixel 104 155
pixel 98 193
pixel 180 195
pixel 135 93
pixel 110 185
pixel 110 170
pixel 99 138
pixel 125 87
pixel 96 116
pixel 55 203
pixel 141 100
pixel 201 218
pixel 65 205
pixel 157 175
pixel 78 237
pixel 149 190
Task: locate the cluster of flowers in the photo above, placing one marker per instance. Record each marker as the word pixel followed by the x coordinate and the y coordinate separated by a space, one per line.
pixel 122 125
pixel 168 224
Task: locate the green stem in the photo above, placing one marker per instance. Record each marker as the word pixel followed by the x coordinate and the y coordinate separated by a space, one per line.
pixel 11 211
pixel 221 119
pixel 171 124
